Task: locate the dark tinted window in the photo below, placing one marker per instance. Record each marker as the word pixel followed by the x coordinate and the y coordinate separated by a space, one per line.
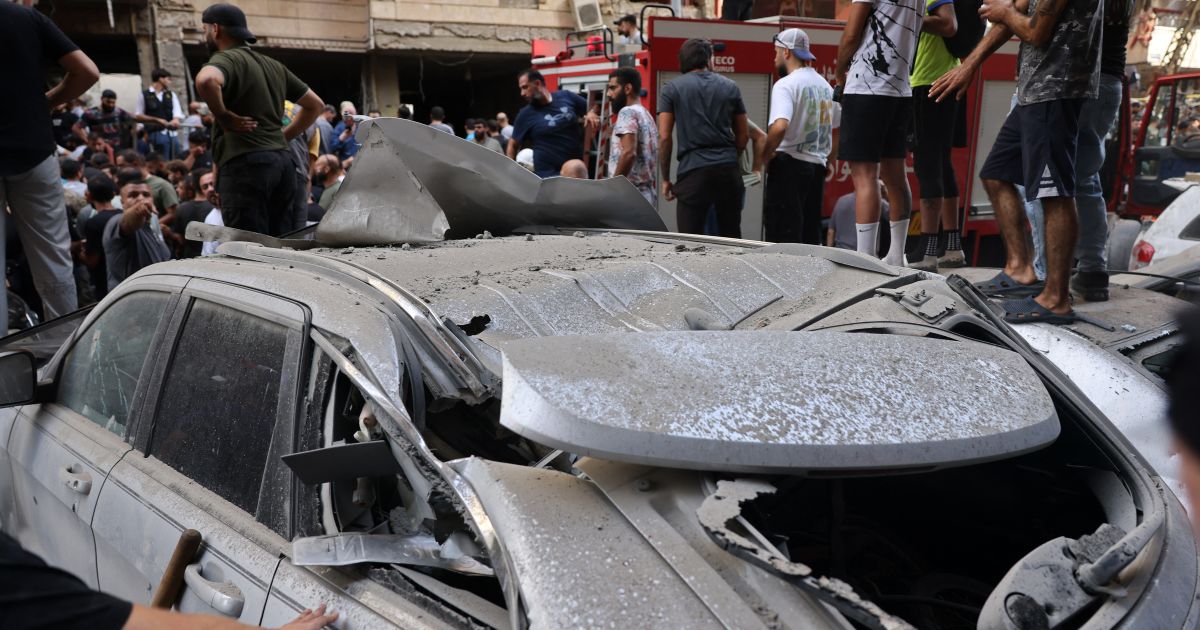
pixel 101 372
pixel 220 401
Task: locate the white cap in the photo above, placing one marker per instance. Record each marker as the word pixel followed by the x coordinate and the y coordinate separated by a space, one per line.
pixel 796 41
pixel 525 158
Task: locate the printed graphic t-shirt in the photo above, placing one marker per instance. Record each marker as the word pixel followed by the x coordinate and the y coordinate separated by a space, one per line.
pixel 805 100
pixel 884 58
pixel 1068 66
pixel 636 119
pixel 555 130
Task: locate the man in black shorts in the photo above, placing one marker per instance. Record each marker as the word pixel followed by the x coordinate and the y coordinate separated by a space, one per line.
pixel 1058 69
pixel 874 58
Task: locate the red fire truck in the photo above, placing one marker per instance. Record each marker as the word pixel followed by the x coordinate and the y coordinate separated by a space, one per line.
pixel 745 53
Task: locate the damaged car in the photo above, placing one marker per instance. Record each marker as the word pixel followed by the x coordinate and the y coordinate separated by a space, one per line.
pixel 482 409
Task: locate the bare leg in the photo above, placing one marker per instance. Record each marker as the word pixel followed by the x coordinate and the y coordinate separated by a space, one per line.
pixel 891 170
pixel 1062 229
pixel 1010 216
pixel 865 176
pixel 949 213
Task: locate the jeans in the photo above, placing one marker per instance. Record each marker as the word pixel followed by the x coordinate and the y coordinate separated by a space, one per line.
pixel 35 198
pixel 166 144
pixel 792 209
pixel 256 191
pixel 1095 121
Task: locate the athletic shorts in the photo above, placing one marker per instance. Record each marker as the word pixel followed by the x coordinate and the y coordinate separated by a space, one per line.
pixel 1036 149
pixel 874 127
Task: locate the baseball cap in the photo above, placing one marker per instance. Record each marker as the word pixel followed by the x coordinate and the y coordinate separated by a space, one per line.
pixel 796 41
pixel 626 18
pixel 231 18
pixel 108 94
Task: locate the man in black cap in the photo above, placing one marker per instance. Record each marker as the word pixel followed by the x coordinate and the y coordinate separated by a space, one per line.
pixel 245 91
pixel 627 31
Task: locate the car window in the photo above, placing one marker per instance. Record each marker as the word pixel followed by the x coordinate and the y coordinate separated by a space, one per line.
pixel 217 412
pixel 101 372
pixel 1158 127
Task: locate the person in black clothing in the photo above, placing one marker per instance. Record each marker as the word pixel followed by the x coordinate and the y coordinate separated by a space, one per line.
pixel 158 108
pixel 34 594
pixel 100 193
pixel 63 121
pixel 196 208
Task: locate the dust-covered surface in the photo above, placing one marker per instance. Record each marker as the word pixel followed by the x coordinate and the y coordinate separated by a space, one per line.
pixel 613 580
pixel 750 401
pixel 567 285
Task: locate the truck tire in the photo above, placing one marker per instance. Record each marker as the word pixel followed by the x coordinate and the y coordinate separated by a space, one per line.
pixel 1121 237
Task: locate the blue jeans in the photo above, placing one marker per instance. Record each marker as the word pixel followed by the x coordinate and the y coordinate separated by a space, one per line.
pixel 1095 121
pixel 164 143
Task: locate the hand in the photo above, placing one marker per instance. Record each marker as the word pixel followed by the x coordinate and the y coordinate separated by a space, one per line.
pixel 173 124
pixel 591 121
pixel 995 10
pixel 233 123
pixel 196 150
pixel 311 620
pixel 668 191
pixel 953 82
pixel 839 79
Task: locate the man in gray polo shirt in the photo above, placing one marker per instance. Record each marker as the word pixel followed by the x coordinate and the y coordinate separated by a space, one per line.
pixel 706 110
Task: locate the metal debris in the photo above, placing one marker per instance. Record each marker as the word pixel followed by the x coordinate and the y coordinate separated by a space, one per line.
pixel 356 548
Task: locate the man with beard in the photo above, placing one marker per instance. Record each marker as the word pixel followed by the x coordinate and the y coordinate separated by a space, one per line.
pixel 245 91
pixel 110 122
pixel 633 151
pixel 803 120
pixel 551 123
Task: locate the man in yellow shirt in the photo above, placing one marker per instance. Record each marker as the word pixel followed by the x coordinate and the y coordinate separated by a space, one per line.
pixel 933 137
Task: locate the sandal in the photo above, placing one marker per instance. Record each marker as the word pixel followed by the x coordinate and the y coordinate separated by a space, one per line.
pixel 1027 311
pixel 1004 285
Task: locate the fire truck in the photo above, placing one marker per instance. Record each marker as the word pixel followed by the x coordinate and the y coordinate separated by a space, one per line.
pixel 744 52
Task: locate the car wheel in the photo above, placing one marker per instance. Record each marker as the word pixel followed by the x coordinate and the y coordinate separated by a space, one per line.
pixel 1120 243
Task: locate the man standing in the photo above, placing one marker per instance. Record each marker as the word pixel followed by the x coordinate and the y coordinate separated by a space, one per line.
pixel 133 239
pixel 627 31
pixel 109 121
pixel 305 148
pixel 1096 118
pixel 245 91
pixel 159 110
pixel 436 117
pixel 484 137
pixel 194 209
pixel 633 150
pixel 933 138
pixel 325 126
pixel 874 58
pixel 712 131
pixel 30 185
pixel 100 193
pixel 1057 71
pixel 163 193
pixel 551 123
pixel 804 118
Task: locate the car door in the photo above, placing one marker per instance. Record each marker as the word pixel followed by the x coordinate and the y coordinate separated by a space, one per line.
pixel 62 451
pixel 205 455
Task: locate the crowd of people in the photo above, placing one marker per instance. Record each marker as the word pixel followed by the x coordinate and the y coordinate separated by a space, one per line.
pixel 260 151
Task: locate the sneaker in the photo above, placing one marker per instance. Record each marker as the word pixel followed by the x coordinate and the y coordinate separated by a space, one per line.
pixel 1092 286
pixel 928 263
pixel 952 259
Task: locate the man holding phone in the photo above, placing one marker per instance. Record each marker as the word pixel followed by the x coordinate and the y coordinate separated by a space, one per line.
pixel 345 146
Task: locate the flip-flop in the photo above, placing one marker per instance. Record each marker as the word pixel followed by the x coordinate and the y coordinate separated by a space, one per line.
pixel 1004 285
pixel 1027 311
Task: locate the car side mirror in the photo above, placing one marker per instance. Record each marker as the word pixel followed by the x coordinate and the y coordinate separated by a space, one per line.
pixel 18 378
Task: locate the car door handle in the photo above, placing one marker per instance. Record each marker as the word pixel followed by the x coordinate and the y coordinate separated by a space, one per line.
pixel 224 597
pixel 75 478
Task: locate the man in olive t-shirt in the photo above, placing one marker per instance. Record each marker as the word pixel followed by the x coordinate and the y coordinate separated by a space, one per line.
pixel 245 91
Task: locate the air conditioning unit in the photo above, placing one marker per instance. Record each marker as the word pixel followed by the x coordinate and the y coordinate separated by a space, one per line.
pixel 587 14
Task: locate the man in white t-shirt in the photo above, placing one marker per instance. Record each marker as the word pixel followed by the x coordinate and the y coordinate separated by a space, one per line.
pixel 874 61
pixel 799 143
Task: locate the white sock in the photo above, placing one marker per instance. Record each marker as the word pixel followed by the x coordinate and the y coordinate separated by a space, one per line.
pixel 895 255
pixel 868 238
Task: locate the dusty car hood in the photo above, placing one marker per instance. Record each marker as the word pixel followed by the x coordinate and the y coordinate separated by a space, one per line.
pixel 414 184
pixel 774 401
